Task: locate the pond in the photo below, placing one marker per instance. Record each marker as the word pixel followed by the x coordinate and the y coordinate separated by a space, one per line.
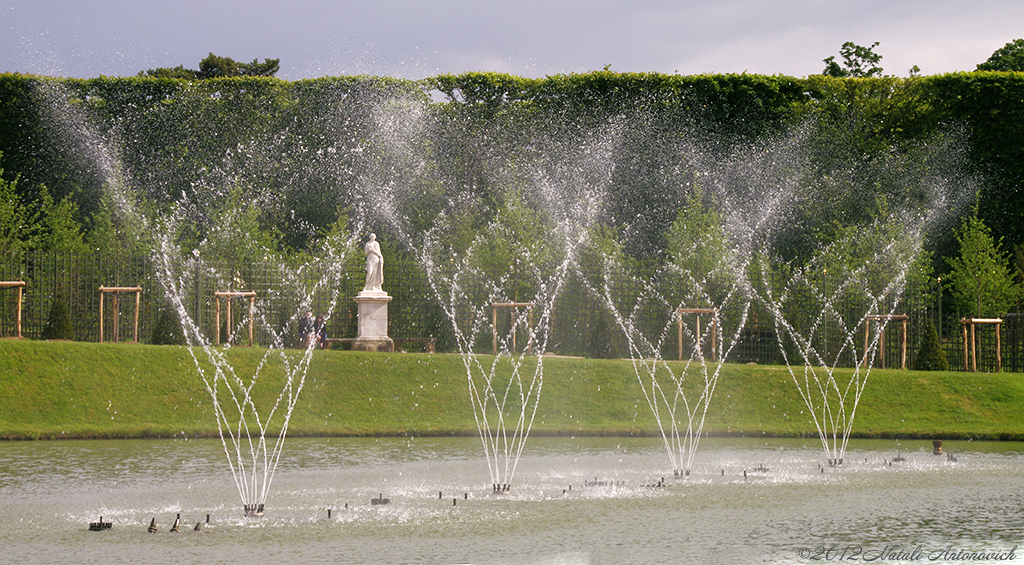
pixel 576 501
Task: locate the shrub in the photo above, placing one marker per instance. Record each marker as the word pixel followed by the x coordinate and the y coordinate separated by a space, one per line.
pixel 58 322
pixel 931 356
pixel 168 329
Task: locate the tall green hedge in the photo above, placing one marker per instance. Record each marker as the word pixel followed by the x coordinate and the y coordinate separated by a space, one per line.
pixel 175 129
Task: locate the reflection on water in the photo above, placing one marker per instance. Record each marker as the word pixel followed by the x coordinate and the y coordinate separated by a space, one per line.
pixel 577 500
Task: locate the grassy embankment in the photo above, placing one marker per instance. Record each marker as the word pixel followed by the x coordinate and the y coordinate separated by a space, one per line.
pixel 71 389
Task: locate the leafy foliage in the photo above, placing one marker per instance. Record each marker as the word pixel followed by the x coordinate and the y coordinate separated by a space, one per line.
pixel 18 224
pixel 302 150
pixel 1009 57
pixel 981 280
pixel 699 251
pixel 214 66
pixel 858 62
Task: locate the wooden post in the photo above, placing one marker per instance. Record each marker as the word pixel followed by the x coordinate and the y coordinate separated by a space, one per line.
pixel 963 334
pixel 699 352
pixel 714 330
pixel 529 320
pixel 18 323
pixel 974 350
pixel 227 334
pixel 216 321
pixel 903 348
pixel 714 338
pixel 218 295
pixel 973 353
pixel 494 321
pixel 252 314
pixel 679 341
pixel 881 346
pixel 881 337
pixel 101 314
pixel 135 324
pixel 867 335
pixel 114 291
pixel 20 285
pixel 999 347
pixel 115 308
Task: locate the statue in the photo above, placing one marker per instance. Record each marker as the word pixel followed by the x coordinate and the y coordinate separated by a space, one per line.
pixel 374 266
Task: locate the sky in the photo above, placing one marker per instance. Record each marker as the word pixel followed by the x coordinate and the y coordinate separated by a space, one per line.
pixel 530 38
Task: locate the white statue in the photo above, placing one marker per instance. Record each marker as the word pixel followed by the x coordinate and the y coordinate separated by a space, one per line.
pixel 374 266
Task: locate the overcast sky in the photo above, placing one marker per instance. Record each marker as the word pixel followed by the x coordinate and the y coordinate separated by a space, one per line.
pixel 531 38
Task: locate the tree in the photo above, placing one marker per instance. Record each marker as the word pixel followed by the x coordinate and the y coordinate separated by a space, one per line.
pixel 698 247
pixel 981 279
pixel 168 328
pixel 19 224
pixel 1009 57
pixel 60 230
pixel 931 357
pixel 267 68
pixel 214 66
pixel 58 322
pixel 177 72
pixel 858 62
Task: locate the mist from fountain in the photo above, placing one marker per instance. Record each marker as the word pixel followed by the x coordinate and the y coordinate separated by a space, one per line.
pixel 550 196
pixel 517 263
pixel 820 305
pixel 679 394
pixel 243 426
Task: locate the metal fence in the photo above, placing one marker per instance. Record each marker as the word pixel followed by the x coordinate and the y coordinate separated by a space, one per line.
pixel 581 323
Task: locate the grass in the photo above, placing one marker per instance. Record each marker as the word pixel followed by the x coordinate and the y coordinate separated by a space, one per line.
pixel 86 390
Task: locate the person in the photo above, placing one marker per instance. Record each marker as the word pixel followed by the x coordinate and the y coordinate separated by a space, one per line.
pixel 320 332
pixel 374 266
pixel 305 329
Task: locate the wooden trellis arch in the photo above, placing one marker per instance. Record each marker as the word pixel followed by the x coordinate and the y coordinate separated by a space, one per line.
pixel 114 291
pixel 972 322
pixel 511 306
pixel 20 285
pixel 697 313
pixel 229 294
pixel 902 319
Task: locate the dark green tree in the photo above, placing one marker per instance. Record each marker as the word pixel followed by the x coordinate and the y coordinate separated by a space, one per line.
pixel 267 68
pixel 168 328
pixel 602 344
pixel 177 72
pixel 214 66
pixel 1009 57
pixel 58 322
pixel 858 62
pixel 931 356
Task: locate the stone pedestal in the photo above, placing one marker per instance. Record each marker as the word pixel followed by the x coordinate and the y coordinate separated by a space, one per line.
pixel 372 333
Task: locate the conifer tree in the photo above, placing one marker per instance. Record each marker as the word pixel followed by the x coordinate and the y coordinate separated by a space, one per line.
pixel 58 322
pixel 931 357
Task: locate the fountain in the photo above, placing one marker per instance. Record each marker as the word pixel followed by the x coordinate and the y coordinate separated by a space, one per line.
pixel 732 263
pixel 519 261
pixel 245 429
pixel 821 302
pixel 503 227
